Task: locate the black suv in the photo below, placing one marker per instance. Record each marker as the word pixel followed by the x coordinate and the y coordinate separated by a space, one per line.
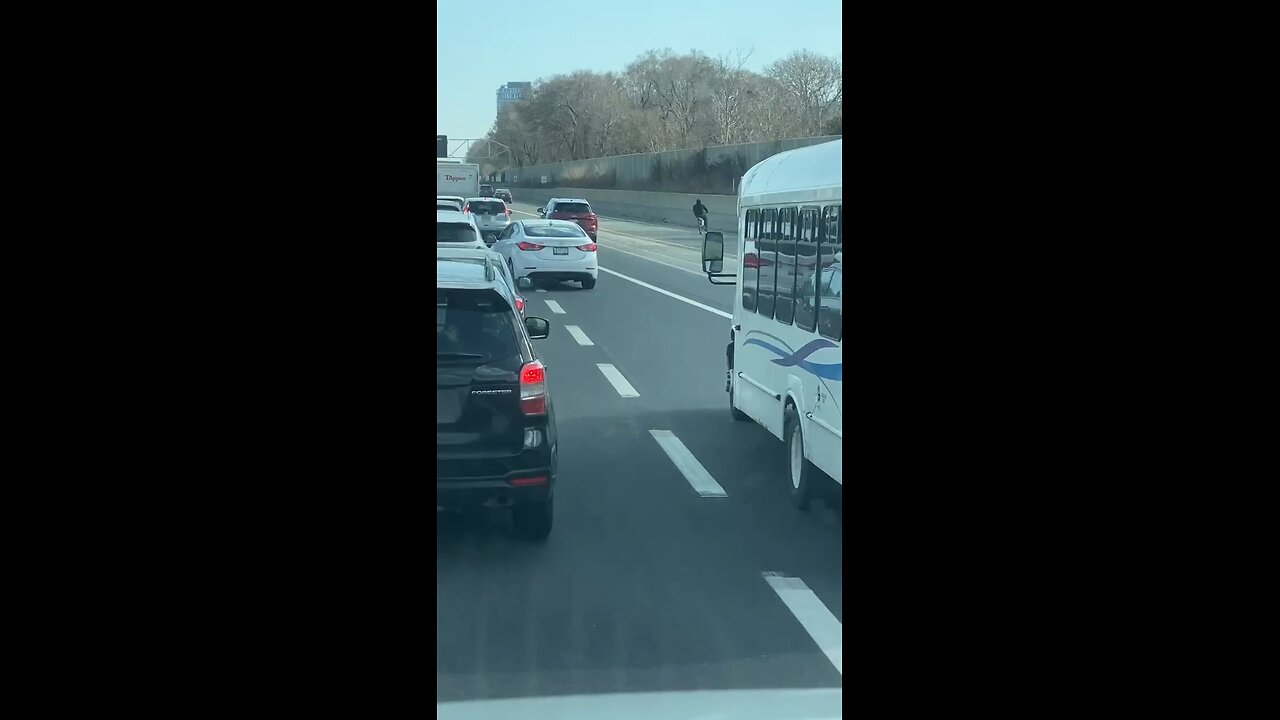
pixel 486 191
pixel 495 424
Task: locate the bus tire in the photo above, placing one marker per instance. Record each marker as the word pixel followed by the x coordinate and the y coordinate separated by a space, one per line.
pixel 734 412
pixel 801 474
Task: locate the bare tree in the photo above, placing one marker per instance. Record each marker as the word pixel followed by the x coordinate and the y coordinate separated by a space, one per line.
pixel 813 82
pixel 664 101
pixel 729 98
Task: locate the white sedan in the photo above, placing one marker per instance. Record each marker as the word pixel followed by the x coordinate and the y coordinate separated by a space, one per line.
pixel 549 250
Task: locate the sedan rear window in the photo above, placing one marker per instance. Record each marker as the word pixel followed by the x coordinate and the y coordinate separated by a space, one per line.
pixel 573 207
pixel 455 232
pixel 554 231
pixel 487 207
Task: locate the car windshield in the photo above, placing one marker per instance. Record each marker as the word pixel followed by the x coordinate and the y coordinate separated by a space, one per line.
pixel 554 231
pixel 455 232
pixel 487 207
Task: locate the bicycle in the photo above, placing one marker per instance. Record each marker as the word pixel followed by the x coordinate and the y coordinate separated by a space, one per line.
pixel 702 225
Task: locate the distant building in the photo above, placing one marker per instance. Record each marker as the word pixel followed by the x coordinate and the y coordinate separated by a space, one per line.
pixel 512 92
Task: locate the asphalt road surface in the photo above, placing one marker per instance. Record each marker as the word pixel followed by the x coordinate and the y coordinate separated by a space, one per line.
pixel 676 561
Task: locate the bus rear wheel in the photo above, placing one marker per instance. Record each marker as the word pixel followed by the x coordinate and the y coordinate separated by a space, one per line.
pixel 800 471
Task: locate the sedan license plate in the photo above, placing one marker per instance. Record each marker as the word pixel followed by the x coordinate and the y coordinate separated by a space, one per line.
pixel 559 251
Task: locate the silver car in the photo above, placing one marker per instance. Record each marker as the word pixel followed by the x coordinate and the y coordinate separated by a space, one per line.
pixel 490 215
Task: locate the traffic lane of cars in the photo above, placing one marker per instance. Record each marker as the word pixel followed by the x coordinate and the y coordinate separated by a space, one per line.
pixel 671 235
pixel 641 586
pixel 673 354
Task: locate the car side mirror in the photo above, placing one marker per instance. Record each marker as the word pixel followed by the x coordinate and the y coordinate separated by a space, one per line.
pixel 539 328
pixel 524 283
pixel 713 252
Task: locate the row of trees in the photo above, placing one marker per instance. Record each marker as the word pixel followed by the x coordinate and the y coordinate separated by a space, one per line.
pixel 664 101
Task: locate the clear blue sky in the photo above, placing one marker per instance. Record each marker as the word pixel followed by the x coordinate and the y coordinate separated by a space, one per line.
pixel 481 49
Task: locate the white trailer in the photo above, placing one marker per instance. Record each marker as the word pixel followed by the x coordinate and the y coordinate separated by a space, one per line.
pixel 457 178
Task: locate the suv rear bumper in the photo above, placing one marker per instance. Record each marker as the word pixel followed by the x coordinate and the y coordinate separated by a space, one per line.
pixel 470 482
pixel 493 491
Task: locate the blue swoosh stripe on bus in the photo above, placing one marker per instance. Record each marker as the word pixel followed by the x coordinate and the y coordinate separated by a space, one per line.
pixel 833 371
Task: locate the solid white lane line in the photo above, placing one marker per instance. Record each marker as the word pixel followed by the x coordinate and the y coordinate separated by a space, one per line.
pixel 816 619
pixel 578 335
pixel 611 248
pixel 615 378
pixel 668 293
pixel 555 307
pixel 688 465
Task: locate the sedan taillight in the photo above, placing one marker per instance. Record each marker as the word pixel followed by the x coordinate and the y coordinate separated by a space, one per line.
pixel 529 246
pixel 589 247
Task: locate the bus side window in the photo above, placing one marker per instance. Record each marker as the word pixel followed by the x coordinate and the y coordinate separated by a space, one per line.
pixel 788 220
pixel 767 248
pixel 750 261
pixel 807 266
pixel 830 296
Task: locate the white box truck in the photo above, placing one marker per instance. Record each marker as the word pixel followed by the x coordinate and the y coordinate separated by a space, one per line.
pixel 457 178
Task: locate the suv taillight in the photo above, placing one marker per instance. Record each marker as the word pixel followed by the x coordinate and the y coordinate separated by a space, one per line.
pixel 519 304
pixel 533 389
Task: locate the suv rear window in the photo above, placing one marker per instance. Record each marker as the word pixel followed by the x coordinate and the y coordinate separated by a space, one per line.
pixel 455 232
pixel 553 231
pixel 487 207
pixel 475 327
pixel 572 207
pixel 486 188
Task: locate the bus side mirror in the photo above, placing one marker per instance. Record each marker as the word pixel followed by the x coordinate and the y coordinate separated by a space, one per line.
pixel 713 252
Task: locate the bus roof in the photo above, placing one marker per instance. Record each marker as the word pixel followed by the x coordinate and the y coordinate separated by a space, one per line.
pixel 803 170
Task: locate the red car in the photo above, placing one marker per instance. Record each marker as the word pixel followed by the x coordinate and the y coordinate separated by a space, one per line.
pixel 575 210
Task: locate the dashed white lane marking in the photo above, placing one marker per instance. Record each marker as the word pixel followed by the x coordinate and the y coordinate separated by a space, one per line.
pixel 555 307
pixel 688 465
pixel 615 378
pixel 539 289
pixel 816 619
pixel 578 335
pixel 670 294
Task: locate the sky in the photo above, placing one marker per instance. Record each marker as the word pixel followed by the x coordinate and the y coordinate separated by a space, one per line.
pixel 536 39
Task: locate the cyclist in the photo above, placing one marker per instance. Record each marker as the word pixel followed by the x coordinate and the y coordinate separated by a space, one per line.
pixel 700 212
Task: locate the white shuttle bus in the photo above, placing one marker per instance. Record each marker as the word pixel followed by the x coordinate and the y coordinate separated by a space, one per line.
pixel 786 336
